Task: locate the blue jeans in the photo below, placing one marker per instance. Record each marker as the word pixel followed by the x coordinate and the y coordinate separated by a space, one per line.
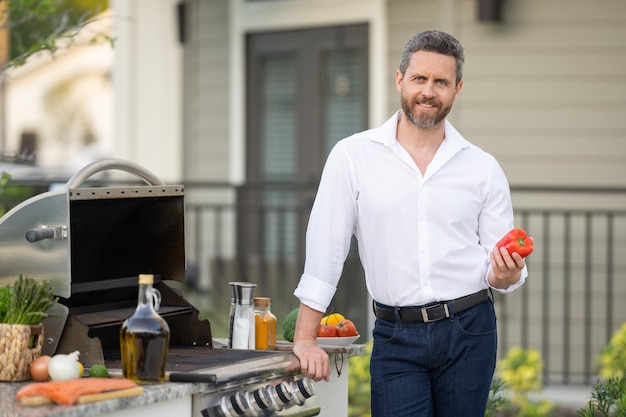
pixel 437 369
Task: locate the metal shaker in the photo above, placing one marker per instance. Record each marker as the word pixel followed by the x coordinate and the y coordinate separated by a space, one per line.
pixel 243 322
pixel 231 315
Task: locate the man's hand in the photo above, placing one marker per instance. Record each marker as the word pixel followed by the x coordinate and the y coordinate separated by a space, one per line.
pixel 506 269
pixel 314 362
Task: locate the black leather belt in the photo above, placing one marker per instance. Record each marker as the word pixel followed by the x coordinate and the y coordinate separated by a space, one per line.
pixel 433 312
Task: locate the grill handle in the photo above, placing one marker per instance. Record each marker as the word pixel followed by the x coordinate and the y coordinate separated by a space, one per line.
pixel 46 232
pixel 112 163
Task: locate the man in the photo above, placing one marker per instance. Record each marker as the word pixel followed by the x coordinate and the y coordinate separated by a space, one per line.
pixel 427 208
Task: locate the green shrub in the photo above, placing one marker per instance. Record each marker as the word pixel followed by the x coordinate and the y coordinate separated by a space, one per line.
pixel 4 179
pixel 607 399
pixel 359 384
pixel 521 371
pixel 496 400
pixel 612 359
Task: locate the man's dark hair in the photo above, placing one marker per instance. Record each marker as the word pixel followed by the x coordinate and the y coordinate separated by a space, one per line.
pixel 434 41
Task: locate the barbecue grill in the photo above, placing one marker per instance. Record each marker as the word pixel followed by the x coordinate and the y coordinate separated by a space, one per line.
pixel 91 243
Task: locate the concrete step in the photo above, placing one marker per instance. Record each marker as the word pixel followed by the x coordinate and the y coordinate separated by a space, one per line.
pixel 572 396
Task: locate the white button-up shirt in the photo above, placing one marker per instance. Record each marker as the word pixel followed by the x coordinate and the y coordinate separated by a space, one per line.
pixel 421 238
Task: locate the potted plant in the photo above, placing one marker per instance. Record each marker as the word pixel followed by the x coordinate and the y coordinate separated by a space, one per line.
pixel 23 306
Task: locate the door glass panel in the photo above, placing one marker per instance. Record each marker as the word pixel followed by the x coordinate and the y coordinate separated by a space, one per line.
pixel 279 120
pixel 344 95
pixel 306 89
pixel 279 149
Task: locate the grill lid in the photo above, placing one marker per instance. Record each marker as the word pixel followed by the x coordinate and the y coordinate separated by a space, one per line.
pixel 91 244
pixel 86 239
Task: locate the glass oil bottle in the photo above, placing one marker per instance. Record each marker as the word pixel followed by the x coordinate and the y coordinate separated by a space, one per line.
pixel 145 336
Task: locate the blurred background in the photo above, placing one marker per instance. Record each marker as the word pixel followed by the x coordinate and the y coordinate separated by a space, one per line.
pixel 241 101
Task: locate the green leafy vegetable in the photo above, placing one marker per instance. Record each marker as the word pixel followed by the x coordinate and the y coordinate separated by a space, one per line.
pixel 289 325
pixel 4 303
pixel 26 302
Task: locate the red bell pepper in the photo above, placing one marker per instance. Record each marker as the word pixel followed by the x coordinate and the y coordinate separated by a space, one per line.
pixel 517 241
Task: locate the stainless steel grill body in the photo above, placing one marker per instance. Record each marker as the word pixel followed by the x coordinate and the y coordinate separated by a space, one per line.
pixel 91 244
pixel 245 383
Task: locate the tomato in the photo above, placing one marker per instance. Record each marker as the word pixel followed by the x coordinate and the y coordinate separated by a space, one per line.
pixel 346 328
pixel 327 330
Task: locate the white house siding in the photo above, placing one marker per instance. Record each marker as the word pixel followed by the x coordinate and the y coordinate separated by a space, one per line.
pixel 548 94
pixel 206 132
pixel 545 89
pixel 206 91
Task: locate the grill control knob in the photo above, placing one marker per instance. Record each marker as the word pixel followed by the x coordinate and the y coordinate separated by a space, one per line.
pixel 234 405
pixel 303 389
pixel 256 403
pixel 263 401
pixel 288 394
pixel 225 408
pixel 281 395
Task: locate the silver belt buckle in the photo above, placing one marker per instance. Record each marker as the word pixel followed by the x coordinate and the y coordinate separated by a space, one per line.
pixel 426 317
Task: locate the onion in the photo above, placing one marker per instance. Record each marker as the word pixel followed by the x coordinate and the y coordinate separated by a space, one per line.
pixel 63 367
pixel 39 368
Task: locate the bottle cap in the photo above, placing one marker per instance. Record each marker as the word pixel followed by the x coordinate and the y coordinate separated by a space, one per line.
pixel 261 301
pixel 146 279
pixel 245 293
pixel 234 293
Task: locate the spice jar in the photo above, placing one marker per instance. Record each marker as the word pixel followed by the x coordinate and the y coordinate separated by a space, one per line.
pixel 265 324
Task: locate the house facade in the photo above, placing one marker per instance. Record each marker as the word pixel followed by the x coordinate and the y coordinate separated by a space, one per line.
pixel 241 100
pixel 255 93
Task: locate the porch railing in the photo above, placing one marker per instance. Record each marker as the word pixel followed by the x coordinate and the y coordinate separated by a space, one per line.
pixel 569 308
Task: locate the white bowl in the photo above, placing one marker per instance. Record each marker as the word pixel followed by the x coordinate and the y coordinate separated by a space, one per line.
pixel 336 341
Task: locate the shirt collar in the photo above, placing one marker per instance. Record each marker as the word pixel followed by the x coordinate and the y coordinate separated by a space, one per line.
pixel 386 134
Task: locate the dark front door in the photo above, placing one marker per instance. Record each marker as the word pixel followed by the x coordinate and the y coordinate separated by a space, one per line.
pixel 306 89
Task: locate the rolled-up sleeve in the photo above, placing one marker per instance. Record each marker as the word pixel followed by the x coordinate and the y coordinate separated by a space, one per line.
pixel 314 293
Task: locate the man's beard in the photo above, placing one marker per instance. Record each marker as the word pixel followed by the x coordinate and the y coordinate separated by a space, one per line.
pixel 423 120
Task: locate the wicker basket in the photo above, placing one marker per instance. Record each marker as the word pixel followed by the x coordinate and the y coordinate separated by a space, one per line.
pixel 15 352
